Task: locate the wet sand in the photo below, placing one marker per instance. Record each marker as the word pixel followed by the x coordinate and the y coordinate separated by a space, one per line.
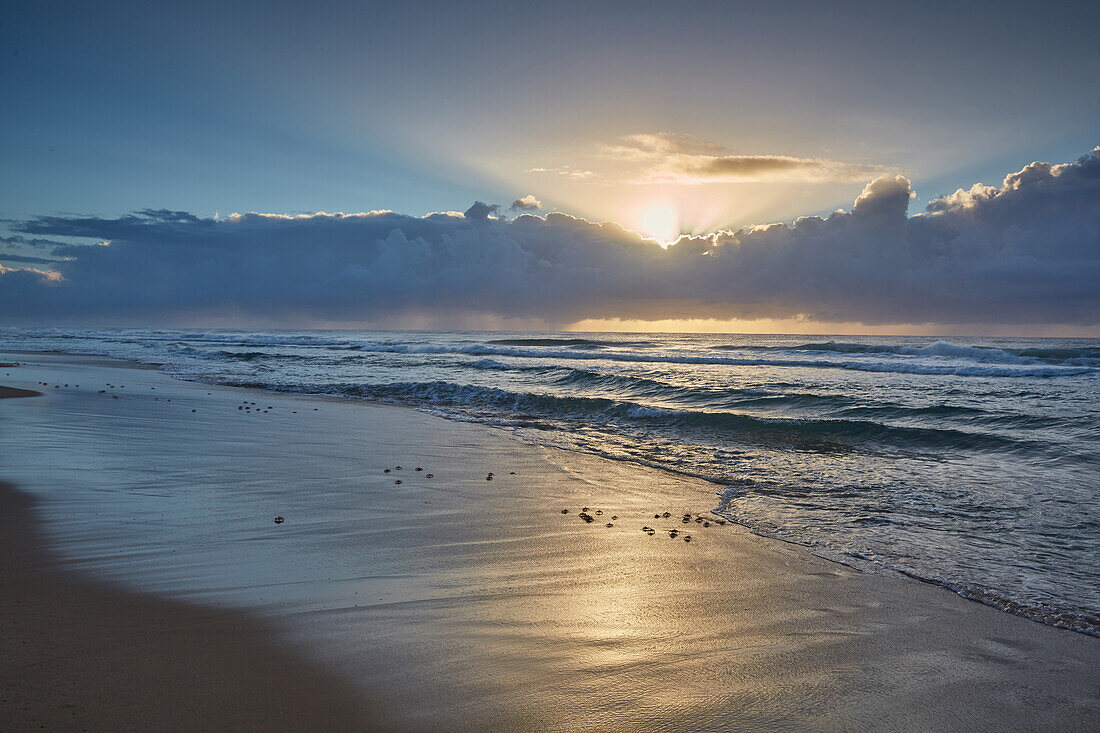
pixel 466 603
pixel 80 655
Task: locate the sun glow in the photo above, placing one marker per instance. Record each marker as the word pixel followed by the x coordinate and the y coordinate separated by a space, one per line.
pixel 659 220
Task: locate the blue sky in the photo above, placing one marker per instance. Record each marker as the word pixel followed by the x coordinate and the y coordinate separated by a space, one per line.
pixel 423 107
pixel 351 106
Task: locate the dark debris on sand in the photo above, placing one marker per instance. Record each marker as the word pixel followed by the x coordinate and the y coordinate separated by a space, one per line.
pixel 687 518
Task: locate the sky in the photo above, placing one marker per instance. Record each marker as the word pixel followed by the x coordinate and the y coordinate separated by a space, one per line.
pixel 600 132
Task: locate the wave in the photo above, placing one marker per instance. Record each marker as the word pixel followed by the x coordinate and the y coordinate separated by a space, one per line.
pixel 1081 366
pixel 229 355
pixel 640 386
pixel 926 411
pixel 958 370
pixel 718 397
pixel 969 415
pixel 940 358
pixel 835 405
pixel 1082 356
pixel 818 435
pixel 498 366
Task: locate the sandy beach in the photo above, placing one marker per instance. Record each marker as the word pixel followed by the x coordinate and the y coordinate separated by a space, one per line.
pixel 146 582
pixel 80 655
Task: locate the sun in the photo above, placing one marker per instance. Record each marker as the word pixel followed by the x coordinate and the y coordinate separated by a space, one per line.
pixel 660 220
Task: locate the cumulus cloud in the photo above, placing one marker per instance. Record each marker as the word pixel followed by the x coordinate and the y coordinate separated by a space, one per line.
pixel 670 158
pixel 1026 252
pixel 526 203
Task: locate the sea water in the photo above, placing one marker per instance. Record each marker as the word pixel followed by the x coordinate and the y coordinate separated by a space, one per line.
pixel 969 463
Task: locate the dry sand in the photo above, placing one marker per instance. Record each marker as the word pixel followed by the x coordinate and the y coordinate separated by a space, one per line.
pixel 462 603
pixel 6 392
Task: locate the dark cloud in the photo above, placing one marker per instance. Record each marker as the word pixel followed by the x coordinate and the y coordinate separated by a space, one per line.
pixel 1027 252
pixel 26 259
pixel 481 211
pixel 29 242
pixel 744 165
pixel 169 223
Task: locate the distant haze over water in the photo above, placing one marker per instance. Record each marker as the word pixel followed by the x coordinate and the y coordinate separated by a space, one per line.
pixel 971 463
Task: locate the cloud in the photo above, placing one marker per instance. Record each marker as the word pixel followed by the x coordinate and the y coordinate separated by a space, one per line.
pixel 24 275
pixel 733 168
pixel 665 143
pixel 1026 252
pixel 526 203
pixel 480 211
pixel 669 158
pixel 18 240
pixel 27 259
pixel 577 174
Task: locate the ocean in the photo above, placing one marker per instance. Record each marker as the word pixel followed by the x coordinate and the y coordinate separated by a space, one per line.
pixel 973 464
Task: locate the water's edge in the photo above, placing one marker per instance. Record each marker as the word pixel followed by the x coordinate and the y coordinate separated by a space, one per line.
pixel 723 491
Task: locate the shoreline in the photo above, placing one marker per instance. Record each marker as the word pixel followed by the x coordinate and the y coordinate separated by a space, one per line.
pixel 978 596
pixel 505 611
